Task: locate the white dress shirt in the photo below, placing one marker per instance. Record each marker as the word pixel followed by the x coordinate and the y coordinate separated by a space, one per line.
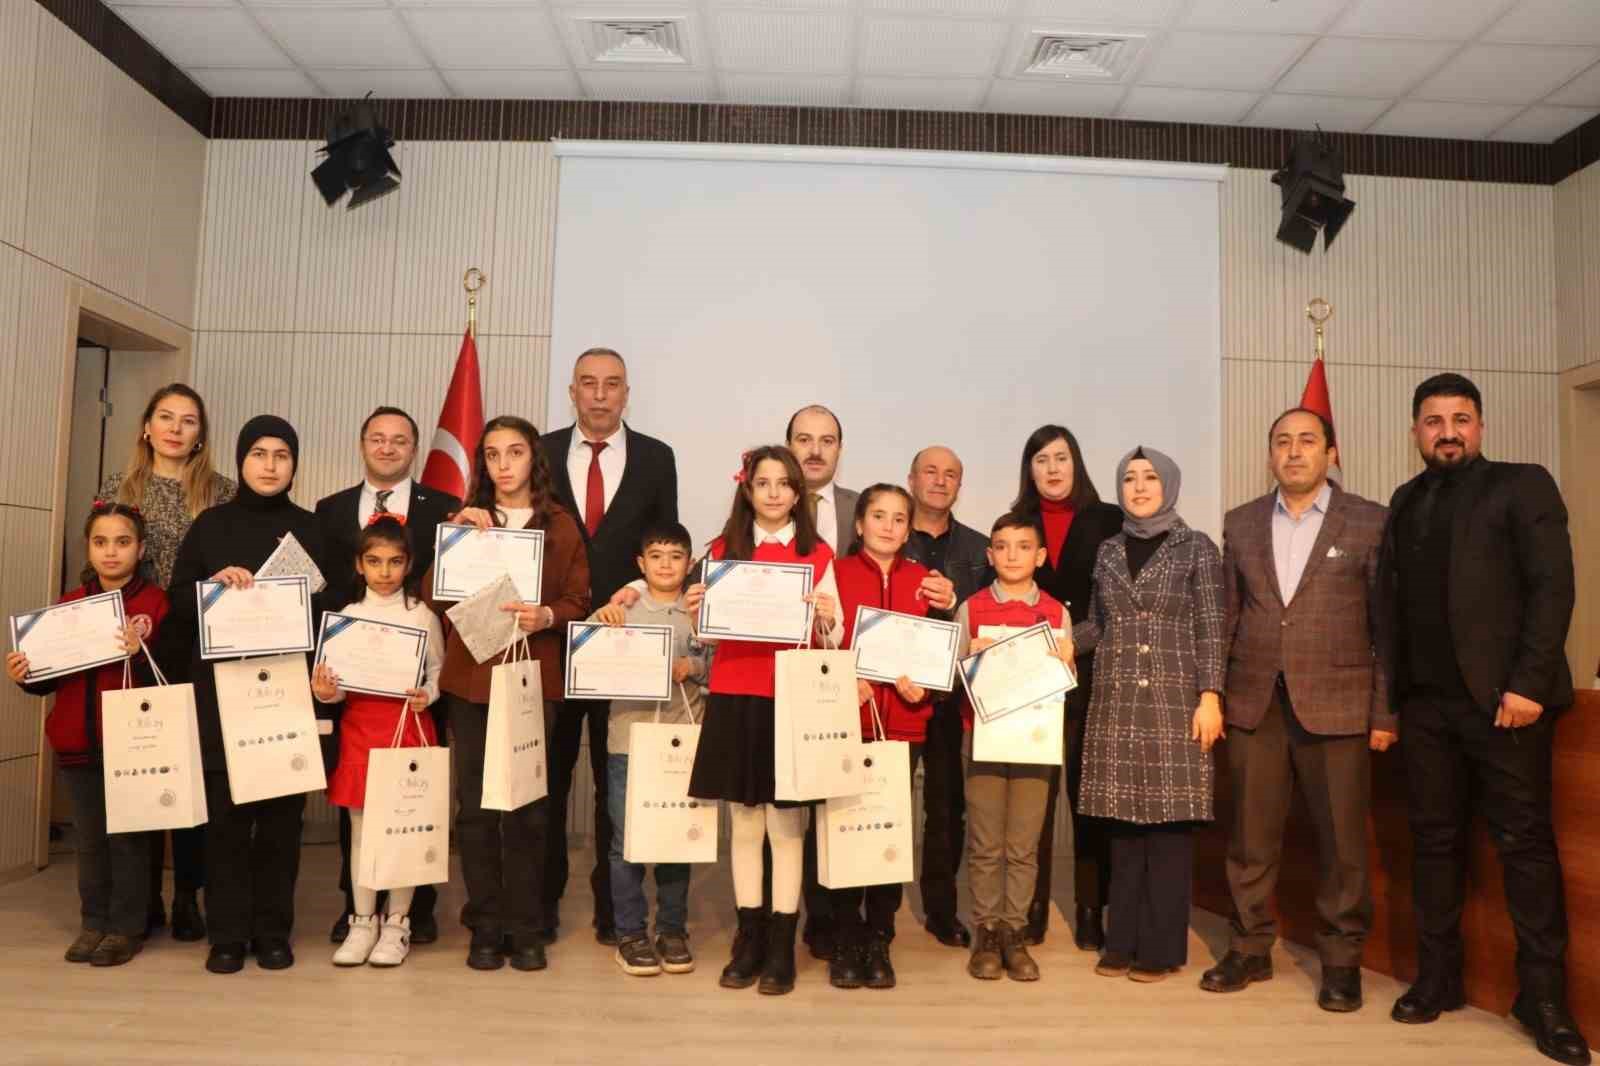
pixel 827 516
pixel 399 502
pixel 613 458
pixel 1293 538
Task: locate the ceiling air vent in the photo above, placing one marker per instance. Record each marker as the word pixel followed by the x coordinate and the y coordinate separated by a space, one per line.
pixel 1074 56
pixel 628 41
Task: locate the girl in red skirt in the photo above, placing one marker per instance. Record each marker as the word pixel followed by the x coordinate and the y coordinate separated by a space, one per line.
pixel 383 564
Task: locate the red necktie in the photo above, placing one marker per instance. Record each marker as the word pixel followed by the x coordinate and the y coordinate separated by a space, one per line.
pixel 594 499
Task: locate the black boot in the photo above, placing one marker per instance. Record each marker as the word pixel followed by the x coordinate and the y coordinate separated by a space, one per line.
pixel 749 950
pixel 1038 923
pixel 878 971
pixel 1090 933
pixel 777 977
pixel 1554 1032
pixel 844 968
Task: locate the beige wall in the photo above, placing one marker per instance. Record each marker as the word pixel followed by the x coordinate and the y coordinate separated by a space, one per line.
pixel 100 190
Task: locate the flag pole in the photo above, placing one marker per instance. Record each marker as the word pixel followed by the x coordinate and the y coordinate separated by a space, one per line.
pixel 1319 311
pixel 473 280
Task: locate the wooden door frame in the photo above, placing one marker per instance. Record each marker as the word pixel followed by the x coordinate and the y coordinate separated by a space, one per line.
pixel 1580 389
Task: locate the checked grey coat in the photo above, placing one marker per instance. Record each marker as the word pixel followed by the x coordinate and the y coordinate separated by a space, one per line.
pixel 1158 644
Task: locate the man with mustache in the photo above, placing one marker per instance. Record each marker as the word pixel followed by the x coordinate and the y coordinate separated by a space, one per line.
pixel 1477 565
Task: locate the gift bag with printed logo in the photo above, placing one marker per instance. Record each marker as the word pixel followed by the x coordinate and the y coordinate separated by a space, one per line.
pixel 865 839
pixel 1032 734
pixel 405 829
pixel 513 746
pixel 151 742
pixel 663 822
pixel 816 725
pixel 269 729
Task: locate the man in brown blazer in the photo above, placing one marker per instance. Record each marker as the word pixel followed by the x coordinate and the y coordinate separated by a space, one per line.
pixel 1306 697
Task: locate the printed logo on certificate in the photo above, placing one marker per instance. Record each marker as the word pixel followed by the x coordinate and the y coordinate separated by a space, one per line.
pixel 630 662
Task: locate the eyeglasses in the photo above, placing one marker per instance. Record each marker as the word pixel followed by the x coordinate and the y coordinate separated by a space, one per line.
pixel 378 441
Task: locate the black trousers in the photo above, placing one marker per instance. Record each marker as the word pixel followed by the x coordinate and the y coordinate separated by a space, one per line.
pixel 188 862
pixel 502 852
pixel 882 902
pixel 1091 865
pixel 1459 764
pixel 944 811
pixel 113 868
pixel 1152 882
pixel 252 862
pixel 565 741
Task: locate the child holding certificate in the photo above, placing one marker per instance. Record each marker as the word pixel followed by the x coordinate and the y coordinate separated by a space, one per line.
pixel 735 759
pixel 113 868
pixel 383 566
pixel 1006 800
pixel 874 574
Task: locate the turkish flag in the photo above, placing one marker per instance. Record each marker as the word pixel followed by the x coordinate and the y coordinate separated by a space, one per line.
pixel 1315 398
pixel 449 466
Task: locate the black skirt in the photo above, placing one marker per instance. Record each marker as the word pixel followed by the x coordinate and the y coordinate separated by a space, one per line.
pixel 734 759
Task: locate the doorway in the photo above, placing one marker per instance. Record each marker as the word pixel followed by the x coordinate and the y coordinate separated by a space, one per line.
pixel 1580 440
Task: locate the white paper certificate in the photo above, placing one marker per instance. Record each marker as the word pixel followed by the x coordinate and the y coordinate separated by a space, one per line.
pixel 70 637
pixel 467 558
pixel 756 601
pixel 271 617
pixel 290 558
pixel 1017 672
pixel 372 657
pixel 891 645
pixel 618 662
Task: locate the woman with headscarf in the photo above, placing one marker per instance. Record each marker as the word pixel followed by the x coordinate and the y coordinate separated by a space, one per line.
pixel 252 849
pixel 1156 627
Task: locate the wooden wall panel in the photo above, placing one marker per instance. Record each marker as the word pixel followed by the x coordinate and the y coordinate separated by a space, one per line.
pixel 447 211
pixel 65 149
pixel 30 398
pixel 176 208
pixel 347 258
pixel 18 812
pixel 249 269
pixel 24 586
pixel 19 42
pixel 1572 291
pixel 121 225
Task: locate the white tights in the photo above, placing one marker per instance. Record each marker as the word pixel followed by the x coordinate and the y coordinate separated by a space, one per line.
pixel 367 898
pixel 785 827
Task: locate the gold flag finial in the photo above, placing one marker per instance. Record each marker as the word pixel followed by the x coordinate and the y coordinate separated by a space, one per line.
pixel 1319 311
pixel 473 280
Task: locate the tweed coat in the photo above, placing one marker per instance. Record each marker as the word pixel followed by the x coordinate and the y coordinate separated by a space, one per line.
pixel 1158 644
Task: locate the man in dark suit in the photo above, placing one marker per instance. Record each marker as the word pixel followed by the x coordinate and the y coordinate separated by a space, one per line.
pixel 388 450
pixel 618 482
pixel 1306 697
pixel 1478 567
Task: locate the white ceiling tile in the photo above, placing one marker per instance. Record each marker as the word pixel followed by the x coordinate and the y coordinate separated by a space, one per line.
pixel 279 83
pixel 464 3
pixel 1453 20
pixel 1340 114
pixel 1348 66
pixel 488 37
pixel 794 89
pixel 1209 106
pixel 514 84
pixel 1506 73
pixel 989 8
pixel 1222 60
pixel 169 3
pixel 1109 12
pixel 672 86
pixel 390 84
pixel 1582 91
pixel 930 46
pixel 205 37
pixel 770 5
pixel 1298 16
pixel 1430 118
pixel 930 94
pixel 1549 22
pixel 327 36
pixel 1544 124
pixel 1041 98
pixel 771 41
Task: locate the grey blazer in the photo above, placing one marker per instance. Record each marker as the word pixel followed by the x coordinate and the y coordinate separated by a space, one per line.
pixel 844 509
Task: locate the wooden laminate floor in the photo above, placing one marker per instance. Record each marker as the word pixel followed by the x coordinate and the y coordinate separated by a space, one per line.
pixel 164 1008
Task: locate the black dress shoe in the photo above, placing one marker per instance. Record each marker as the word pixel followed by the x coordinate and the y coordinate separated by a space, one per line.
pixel 1089 934
pixel 949 932
pixel 340 930
pixel 1341 989
pixel 845 969
pixel 188 924
pixel 486 951
pixel 115 950
pixel 1426 1000
pixel 424 929
pixel 878 971
pixel 1236 972
pixel 527 954
pixel 606 935
pixel 226 958
pixel 1038 924
pixel 1554 1031
pixel 273 954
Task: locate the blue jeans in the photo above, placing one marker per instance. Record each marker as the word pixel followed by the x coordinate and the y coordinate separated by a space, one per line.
pixel 627 878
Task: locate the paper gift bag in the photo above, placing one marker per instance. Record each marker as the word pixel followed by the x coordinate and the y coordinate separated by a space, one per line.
pixel 405 829
pixel 817 725
pixel 514 747
pixel 1030 735
pixel 269 730
pixel 866 839
pixel 663 822
pixel 151 742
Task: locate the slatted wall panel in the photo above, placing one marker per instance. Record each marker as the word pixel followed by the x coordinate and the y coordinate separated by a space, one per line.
pixel 18 812
pixel 122 219
pixel 1572 291
pixel 19 42
pixel 250 248
pixel 1589 184
pixel 24 585
pixel 177 203
pixel 33 391
pixel 1511 255
pixel 12 444
pixel 64 152
pixel 446 224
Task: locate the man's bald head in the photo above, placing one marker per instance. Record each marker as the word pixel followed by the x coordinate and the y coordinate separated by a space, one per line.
pixel 935 479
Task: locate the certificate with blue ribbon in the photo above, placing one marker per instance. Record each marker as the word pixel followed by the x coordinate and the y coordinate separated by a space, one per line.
pixel 377 658
pixel 467 559
pixel 618 662
pixel 757 601
pixel 69 637
pixel 1014 673
pixel 271 617
pixel 891 644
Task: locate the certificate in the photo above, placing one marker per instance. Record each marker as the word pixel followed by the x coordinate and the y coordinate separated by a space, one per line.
pixel 1017 672
pixel 762 602
pixel 70 637
pixel 891 645
pixel 377 658
pixel 271 617
pixel 618 662
pixel 467 558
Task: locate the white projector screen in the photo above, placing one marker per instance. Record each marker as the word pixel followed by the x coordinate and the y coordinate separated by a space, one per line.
pixel 926 297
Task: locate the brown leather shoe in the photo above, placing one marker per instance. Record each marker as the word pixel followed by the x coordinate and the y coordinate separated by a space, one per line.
pixel 114 950
pixel 1014 953
pixel 986 963
pixel 82 949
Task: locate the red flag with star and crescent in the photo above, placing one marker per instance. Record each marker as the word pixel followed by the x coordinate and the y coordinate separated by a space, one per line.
pixel 1316 398
pixel 449 465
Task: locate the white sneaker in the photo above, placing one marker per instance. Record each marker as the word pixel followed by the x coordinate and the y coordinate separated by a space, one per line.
pixel 358 944
pixel 394 944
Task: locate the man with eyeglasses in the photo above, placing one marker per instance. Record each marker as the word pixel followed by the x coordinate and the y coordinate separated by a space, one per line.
pixel 388 451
